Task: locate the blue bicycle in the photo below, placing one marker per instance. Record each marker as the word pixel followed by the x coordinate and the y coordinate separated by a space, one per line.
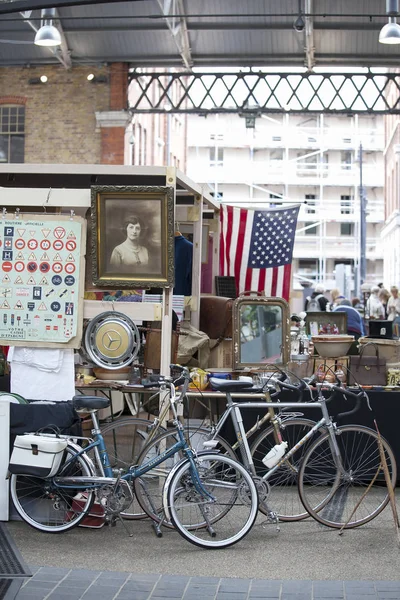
pixel 210 498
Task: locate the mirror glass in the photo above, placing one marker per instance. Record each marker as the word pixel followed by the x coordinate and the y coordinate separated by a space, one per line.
pixel 261 327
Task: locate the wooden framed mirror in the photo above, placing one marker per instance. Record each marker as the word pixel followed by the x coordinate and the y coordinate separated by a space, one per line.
pixel 261 330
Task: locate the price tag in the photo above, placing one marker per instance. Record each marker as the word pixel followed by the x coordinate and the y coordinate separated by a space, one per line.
pixel 179 409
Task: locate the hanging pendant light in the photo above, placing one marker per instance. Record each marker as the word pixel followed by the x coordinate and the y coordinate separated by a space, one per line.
pixel 48 34
pixel 390 33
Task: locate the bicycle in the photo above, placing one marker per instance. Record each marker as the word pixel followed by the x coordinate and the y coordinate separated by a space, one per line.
pixel 331 476
pixel 289 427
pixel 210 498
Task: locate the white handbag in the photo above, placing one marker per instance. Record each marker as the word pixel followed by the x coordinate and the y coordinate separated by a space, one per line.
pixel 37 455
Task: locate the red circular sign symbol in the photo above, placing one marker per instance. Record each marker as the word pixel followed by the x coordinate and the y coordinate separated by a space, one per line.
pixel 20 244
pixel 6 266
pixel 45 245
pixel 59 232
pixel 19 266
pixel 69 268
pixel 32 244
pixel 57 267
pixel 70 245
pixel 31 267
pixel 44 267
pixel 58 245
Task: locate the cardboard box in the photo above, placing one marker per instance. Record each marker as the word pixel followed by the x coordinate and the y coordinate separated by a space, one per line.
pixel 221 357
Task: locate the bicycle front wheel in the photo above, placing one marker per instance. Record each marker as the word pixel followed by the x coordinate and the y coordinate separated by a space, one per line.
pixel 47 507
pixel 223 519
pixel 350 494
pixel 125 440
pixel 283 497
pixel 149 487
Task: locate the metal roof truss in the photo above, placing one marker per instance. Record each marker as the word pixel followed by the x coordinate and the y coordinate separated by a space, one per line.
pixel 249 93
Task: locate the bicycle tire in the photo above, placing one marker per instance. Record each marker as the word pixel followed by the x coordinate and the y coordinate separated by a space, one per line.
pixel 48 508
pixel 331 496
pixel 201 521
pixel 125 440
pixel 283 498
pixel 149 487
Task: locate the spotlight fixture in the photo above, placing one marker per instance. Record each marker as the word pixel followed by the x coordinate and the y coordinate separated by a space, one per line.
pixel 37 80
pixel 97 78
pixel 390 33
pixel 48 35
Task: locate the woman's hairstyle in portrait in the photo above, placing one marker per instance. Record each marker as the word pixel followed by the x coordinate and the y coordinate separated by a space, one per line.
pixel 132 219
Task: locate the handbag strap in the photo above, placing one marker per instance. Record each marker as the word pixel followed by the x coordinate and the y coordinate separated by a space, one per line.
pixel 53 429
pixel 370 344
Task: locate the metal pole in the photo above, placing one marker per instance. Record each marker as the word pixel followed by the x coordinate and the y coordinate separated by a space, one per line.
pixel 363 224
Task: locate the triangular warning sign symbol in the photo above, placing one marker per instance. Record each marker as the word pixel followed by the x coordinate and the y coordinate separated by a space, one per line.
pixel 20 256
pixel 46 232
pixel 21 232
pixel 43 281
pixel 32 233
pixel 6 279
pixel 70 258
pixel 19 305
pixel 31 256
pixel 42 306
pixel 5 304
pixel 71 236
pixel 45 256
pixel 57 257
pixel 19 280
pixel 31 281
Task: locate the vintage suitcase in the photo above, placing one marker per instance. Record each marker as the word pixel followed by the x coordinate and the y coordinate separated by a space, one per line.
pixel 37 455
pixel 216 316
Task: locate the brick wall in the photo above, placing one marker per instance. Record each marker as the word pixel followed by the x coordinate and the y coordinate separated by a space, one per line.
pixel 60 117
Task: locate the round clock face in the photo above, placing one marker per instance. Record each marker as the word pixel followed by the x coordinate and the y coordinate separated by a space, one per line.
pixel 111 340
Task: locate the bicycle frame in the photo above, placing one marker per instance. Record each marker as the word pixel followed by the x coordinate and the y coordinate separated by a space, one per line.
pixel 102 459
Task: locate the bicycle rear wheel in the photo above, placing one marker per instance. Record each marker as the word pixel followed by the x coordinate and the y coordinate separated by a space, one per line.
pixel 125 440
pixel 47 507
pixel 212 523
pixel 283 497
pixel 149 487
pixel 334 496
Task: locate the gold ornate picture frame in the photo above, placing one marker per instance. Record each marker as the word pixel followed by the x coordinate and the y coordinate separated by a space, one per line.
pixel 133 236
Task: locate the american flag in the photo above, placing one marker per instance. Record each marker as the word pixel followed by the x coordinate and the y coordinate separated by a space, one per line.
pixel 256 248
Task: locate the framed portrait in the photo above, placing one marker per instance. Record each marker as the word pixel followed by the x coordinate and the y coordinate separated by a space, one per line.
pixel 132 236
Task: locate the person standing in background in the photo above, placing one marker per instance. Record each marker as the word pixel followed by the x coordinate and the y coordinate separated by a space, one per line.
pixel 317 301
pixel 355 324
pixel 336 296
pixel 384 296
pixel 374 307
pixel 393 305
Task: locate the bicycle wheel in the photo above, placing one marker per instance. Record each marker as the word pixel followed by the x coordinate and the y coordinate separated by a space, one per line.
pixel 283 497
pixel 334 496
pixel 49 508
pixel 149 487
pixel 212 523
pixel 125 440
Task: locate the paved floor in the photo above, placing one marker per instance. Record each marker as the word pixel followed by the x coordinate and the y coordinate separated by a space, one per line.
pixel 303 561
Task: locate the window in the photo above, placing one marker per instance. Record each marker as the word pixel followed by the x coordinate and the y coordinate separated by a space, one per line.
pixel 346 159
pixel 346 228
pixel 346 205
pixel 311 201
pixel 216 156
pixel 276 154
pixel 272 202
pixel 308 267
pixel 12 134
pixel 310 229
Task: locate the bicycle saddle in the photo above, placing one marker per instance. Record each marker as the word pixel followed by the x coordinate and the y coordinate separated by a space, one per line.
pixel 228 385
pixel 90 402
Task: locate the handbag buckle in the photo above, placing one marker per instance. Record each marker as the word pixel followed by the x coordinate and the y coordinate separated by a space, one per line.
pixel 367 368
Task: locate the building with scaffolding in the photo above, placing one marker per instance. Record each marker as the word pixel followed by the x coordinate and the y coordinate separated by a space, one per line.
pixel 327 163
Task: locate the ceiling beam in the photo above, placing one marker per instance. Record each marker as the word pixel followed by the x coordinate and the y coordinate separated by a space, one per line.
pixel 24 5
pixel 178 27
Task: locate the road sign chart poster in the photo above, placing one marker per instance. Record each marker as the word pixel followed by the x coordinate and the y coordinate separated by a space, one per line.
pixel 40 278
